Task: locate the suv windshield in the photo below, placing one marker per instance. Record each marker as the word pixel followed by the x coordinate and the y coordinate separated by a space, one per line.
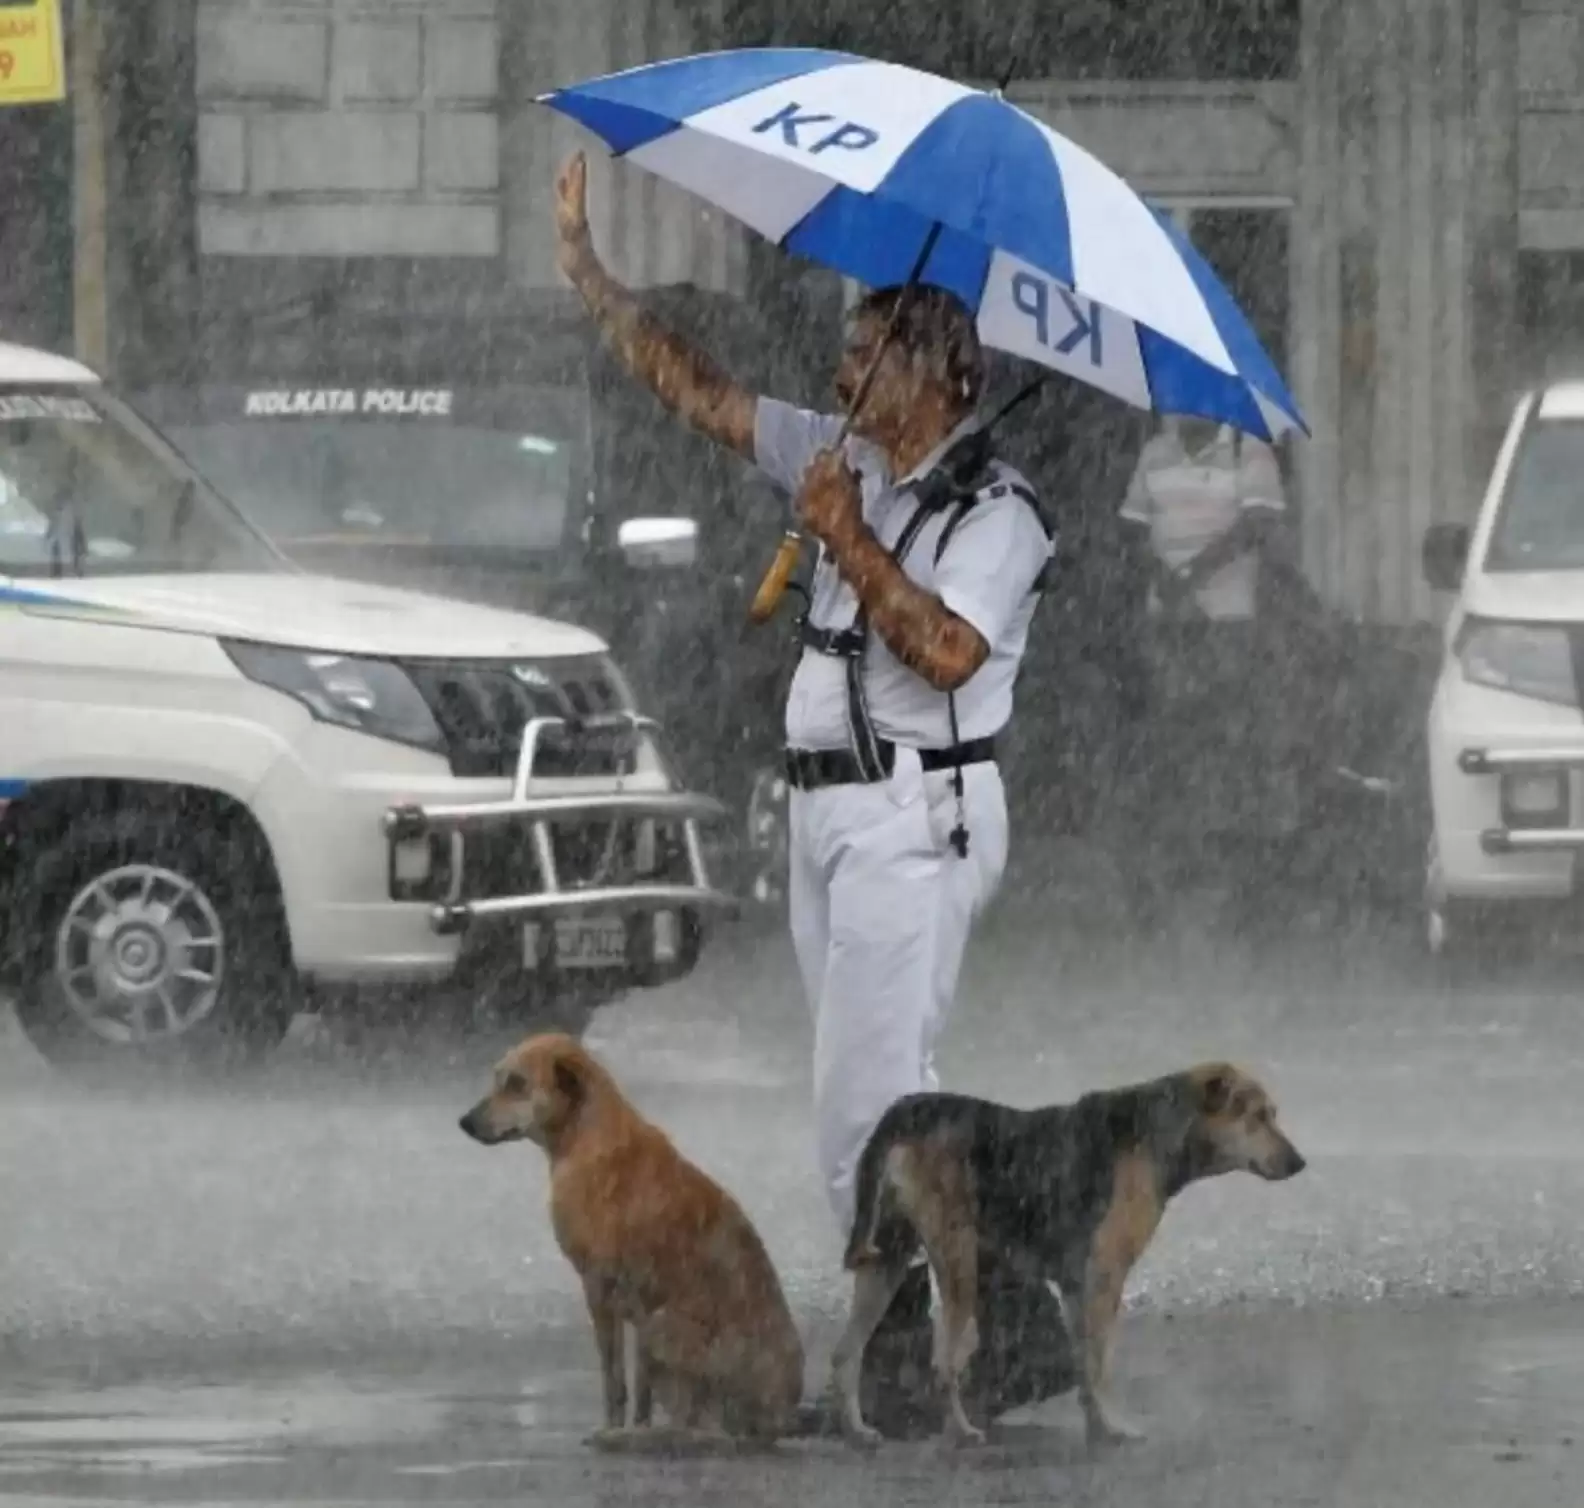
pixel 471 472
pixel 86 488
pixel 1541 523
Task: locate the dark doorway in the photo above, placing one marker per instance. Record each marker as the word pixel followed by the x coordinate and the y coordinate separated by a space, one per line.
pixel 36 226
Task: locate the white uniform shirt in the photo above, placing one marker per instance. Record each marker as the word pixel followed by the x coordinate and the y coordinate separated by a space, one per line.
pixel 1188 500
pixel 986 576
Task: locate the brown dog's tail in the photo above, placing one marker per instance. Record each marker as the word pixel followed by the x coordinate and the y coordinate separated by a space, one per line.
pixel 861 1247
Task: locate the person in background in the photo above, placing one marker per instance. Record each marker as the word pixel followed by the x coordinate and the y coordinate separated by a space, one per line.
pixel 1207 497
pixel 1205 503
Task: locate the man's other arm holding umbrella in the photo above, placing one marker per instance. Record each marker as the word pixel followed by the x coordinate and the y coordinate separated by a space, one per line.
pixel 914 624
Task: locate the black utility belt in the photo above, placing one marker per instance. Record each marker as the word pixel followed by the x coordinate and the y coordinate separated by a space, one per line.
pixel 809 769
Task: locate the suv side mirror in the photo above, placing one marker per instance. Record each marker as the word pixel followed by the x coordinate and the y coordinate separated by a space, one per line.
pixel 1444 555
pixel 658 542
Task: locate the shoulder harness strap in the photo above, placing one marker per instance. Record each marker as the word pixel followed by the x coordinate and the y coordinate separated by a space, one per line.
pixel 860 725
pixel 988 491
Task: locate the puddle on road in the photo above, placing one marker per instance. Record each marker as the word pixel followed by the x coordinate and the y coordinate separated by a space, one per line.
pixel 1535 1382
pixel 142 1430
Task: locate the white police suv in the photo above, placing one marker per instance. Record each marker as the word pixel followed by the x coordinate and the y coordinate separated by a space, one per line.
pixel 1506 726
pixel 224 779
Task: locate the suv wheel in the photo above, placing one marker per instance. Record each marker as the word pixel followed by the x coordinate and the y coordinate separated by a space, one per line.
pixel 142 944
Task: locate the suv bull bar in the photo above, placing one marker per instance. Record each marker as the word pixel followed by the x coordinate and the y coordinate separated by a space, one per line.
pixel 415 822
pixel 1509 839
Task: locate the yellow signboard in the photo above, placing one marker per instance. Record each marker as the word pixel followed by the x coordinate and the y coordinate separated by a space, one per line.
pixel 32 57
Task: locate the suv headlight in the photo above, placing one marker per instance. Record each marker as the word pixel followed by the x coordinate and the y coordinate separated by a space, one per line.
pixel 1523 658
pixel 370 696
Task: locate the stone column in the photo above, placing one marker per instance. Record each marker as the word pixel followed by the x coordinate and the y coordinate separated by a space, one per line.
pixel 1405 252
pixel 1491 31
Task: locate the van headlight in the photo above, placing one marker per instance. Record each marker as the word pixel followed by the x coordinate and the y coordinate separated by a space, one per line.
pixel 1523 658
pixel 369 696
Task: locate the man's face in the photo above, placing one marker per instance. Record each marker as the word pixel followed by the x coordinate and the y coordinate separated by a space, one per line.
pixel 895 387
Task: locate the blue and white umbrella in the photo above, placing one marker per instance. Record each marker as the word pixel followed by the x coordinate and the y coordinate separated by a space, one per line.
pixel 856 164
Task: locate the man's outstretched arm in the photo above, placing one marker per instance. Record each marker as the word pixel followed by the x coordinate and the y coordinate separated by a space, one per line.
pixel 681 376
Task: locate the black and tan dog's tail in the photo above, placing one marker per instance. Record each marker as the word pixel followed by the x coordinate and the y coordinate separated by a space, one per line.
pixel 861 1245
pixel 879 1233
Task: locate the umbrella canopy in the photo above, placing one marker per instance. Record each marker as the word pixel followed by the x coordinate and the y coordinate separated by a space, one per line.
pixel 856 164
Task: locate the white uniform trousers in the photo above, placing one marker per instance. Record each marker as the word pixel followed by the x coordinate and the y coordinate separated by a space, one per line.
pixel 881 907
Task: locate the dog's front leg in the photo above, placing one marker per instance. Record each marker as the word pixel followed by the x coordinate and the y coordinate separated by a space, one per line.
pixel 1092 1301
pixel 643 1382
pixel 1101 1270
pixel 606 1317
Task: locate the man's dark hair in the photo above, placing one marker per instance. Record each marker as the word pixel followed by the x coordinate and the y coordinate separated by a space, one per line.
pixel 935 328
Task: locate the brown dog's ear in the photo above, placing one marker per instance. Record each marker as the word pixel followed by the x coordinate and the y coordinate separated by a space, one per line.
pixel 568 1080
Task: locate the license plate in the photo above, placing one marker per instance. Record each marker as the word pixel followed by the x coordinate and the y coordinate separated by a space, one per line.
pixel 581 942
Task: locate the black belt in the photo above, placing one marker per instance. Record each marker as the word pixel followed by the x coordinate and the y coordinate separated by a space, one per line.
pixel 809 769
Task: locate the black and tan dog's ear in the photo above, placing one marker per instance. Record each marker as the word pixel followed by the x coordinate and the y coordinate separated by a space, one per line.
pixel 1216 1089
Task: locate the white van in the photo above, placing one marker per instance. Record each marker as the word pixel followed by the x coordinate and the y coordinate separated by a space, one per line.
pixel 223 778
pixel 1506 726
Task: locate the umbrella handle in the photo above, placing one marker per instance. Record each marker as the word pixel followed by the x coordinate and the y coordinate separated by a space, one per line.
pixel 773 584
pixel 773 587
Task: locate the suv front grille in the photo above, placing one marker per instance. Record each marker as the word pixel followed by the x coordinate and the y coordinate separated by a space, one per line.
pixel 481 707
pixel 500 861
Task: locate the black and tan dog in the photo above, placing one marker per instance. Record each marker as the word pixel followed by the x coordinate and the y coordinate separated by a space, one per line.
pixel 1070 1194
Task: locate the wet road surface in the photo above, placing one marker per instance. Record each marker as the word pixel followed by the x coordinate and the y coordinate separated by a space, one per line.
pixel 1296 1408
pixel 317 1290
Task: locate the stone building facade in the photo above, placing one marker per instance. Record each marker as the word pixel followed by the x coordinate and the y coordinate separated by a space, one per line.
pixel 1406 178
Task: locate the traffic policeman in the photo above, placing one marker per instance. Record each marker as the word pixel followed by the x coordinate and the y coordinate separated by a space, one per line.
pixel 931 553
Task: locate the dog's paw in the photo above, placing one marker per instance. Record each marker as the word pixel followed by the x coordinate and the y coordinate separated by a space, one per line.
pixel 863 1437
pixel 611 1437
pixel 1108 1430
pixel 961 1434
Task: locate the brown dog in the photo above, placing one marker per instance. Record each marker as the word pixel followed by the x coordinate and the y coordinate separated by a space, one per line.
pixel 1070 1194
pixel 660 1246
